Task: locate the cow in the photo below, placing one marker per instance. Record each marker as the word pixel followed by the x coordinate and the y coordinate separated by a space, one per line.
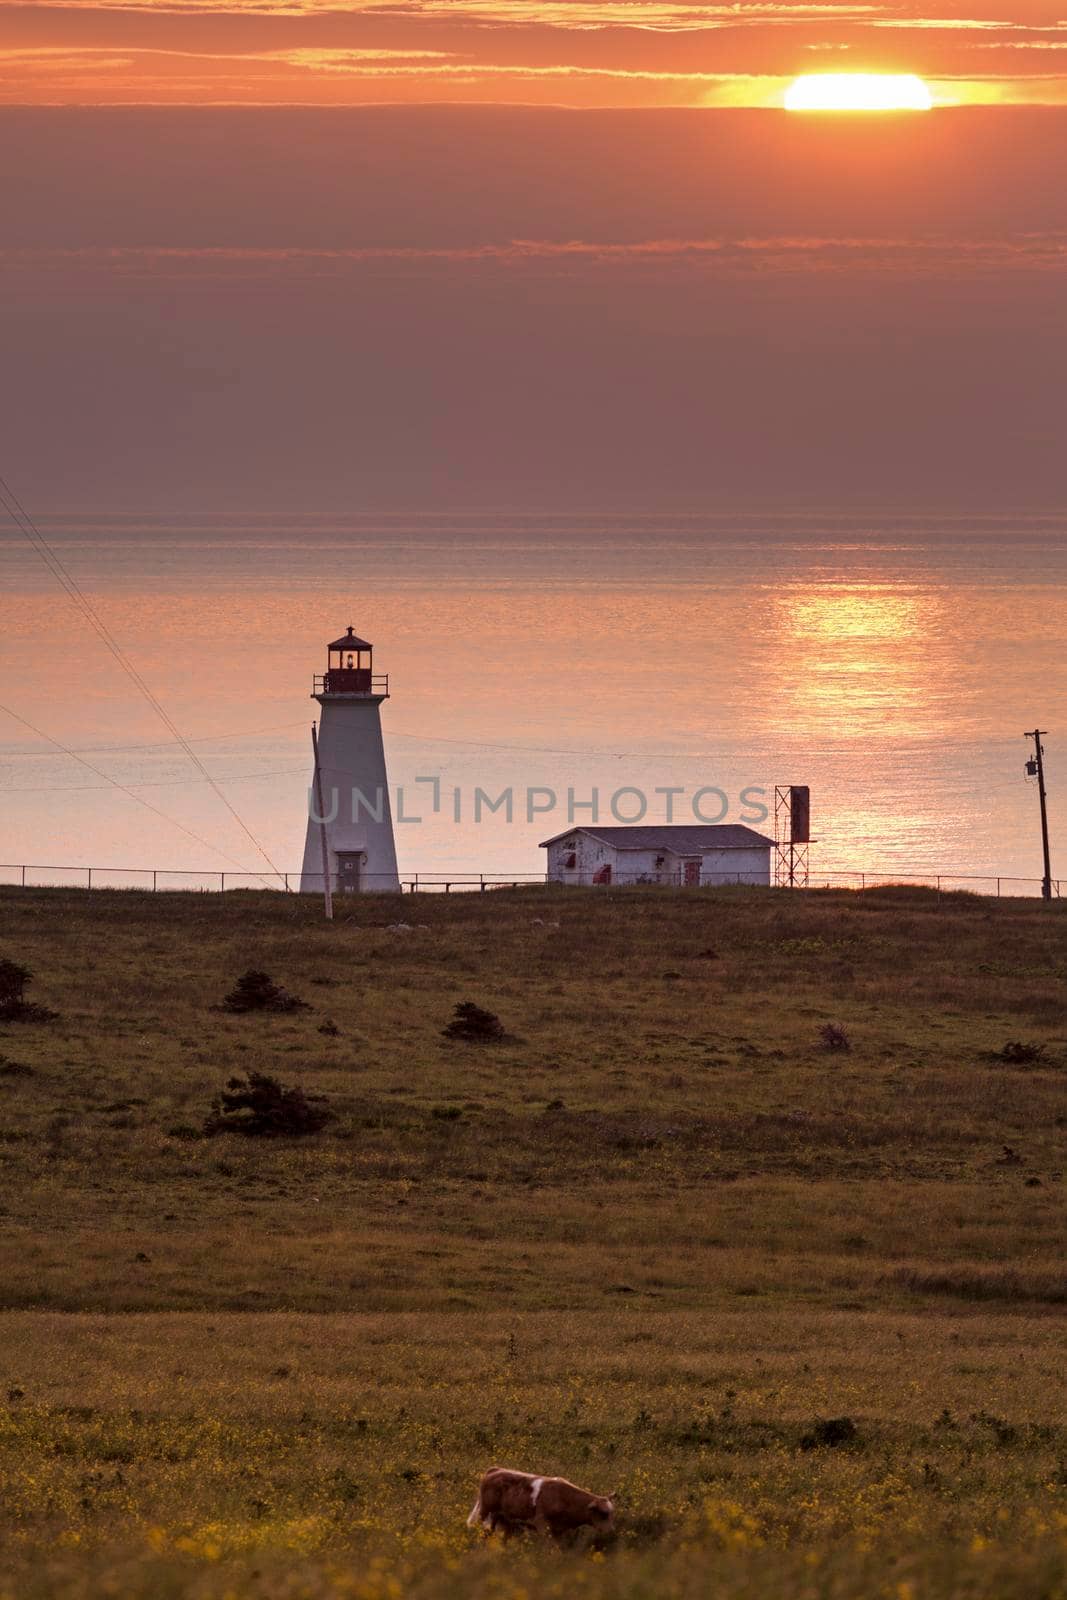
pixel 509 1500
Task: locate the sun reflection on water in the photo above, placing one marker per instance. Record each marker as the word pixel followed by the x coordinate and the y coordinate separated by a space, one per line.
pixel 855 659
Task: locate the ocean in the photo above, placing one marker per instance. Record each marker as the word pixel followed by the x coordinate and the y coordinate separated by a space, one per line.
pixel 659 661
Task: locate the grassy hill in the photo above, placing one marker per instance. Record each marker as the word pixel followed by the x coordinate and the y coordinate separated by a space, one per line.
pixel 648 1239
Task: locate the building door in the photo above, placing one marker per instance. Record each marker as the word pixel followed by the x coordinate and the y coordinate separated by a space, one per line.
pixel 602 874
pixel 349 871
pixel 691 874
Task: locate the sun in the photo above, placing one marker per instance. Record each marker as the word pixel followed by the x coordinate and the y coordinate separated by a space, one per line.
pixel 858 91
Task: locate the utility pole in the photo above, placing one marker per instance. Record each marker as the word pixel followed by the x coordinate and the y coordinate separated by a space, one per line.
pixel 1035 768
pixel 327 888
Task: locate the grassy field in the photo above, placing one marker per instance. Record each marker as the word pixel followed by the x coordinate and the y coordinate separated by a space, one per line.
pixel 653 1239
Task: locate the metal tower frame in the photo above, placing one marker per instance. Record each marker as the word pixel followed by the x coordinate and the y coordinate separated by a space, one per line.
pixel 790 855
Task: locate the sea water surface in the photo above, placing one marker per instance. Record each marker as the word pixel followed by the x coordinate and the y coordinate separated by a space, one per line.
pixel 892 664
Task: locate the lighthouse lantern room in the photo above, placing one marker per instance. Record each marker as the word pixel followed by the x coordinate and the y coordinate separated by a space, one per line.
pixel 350 669
pixel 355 810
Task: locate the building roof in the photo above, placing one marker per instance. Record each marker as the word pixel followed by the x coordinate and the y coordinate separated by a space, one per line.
pixel 679 838
pixel 351 641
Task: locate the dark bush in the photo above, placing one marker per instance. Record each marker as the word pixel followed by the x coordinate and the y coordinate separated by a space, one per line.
pixel 472 1023
pixel 14 1069
pixel 1007 1285
pixel 13 981
pixel 827 1432
pixel 345 1485
pixel 14 1007
pixel 259 1106
pixel 1019 1052
pixel 833 1037
pixel 257 991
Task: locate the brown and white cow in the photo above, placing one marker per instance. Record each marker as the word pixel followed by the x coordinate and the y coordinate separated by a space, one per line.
pixel 511 1500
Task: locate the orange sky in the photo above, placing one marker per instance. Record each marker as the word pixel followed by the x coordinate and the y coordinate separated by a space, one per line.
pixel 620 53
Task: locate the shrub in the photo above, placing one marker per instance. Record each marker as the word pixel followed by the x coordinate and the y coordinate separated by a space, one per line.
pixel 14 1007
pixel 1019 1052
pixel 1006 1284
pixel 257 991
pixel 14 1069
pixel 828 1432
pixel 833 1037
pixel 259 1106
pixel 472 1023
pixel 13 980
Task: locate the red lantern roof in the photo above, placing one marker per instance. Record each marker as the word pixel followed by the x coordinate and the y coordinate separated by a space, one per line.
pixel 351 641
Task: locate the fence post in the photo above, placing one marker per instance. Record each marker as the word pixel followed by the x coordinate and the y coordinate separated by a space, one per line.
pixel 153 880
pixel 481 881
pixel 24 877
pixel 998 888
pixel 89 882
pixel 287 883
pixel 222 882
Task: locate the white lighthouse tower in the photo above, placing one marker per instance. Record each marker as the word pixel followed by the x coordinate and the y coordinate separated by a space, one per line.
pixel 355 789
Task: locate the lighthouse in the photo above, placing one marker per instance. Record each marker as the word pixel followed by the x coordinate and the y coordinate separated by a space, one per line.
pixel 355 807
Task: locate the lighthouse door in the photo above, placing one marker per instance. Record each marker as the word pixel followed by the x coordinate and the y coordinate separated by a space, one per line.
pixel 349 865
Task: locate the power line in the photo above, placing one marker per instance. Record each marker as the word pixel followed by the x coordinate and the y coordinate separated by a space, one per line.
pixel 154 783
pixel 115 784
pixel 629 755
pixel 163 745
pixel 25 524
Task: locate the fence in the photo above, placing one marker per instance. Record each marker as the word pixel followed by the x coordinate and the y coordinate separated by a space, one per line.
pixel 994 885
pixel 166 878
pixel 38 876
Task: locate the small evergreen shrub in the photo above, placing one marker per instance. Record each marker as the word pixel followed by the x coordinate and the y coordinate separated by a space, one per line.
pixel 257 991
pixel 1020 1053
pixel 14 1007
pixel 258 1106
pixel 828 1432
pixel 471 1023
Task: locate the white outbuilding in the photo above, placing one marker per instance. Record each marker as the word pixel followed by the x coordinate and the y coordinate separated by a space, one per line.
pixel 686 856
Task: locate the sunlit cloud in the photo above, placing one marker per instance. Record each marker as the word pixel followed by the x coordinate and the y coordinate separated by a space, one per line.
pixel 581 16
pixel 354 61
pixel 643 14
pixel 1024 44
pixel 594 53
pixel 102 270
pixel 941 24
